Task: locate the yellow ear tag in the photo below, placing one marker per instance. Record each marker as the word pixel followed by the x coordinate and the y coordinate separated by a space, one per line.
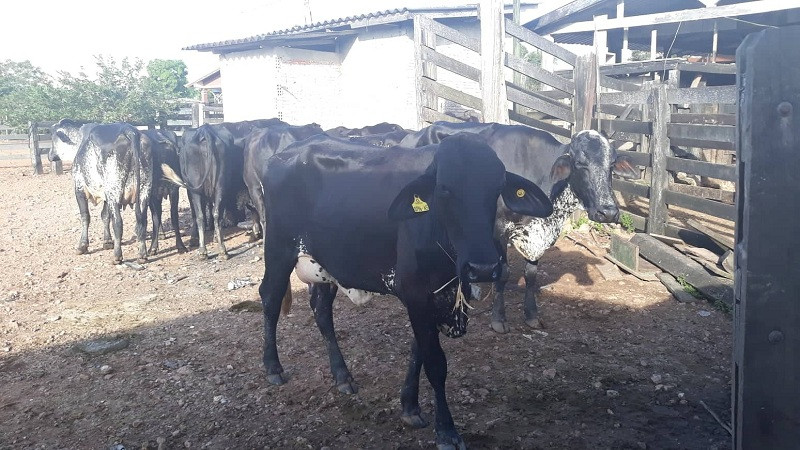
pixel 419 205
pixel 520 193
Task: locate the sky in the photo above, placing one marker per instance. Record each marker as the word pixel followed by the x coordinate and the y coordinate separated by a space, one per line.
pixel 68 34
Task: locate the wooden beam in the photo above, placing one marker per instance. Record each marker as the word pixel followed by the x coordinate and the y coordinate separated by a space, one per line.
pixel 493 86
pixel 548 22
pixel 767 315
pixel 541 43
pixel 521 66
pixel 585 91
pixel 659 112
pixel 654 44
pixel 686 15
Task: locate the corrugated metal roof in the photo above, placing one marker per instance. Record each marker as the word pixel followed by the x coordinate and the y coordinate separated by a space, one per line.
pixel 399 14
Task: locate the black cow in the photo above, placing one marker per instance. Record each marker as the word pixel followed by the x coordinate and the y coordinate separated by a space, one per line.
pixel 574 175
pixel 259 146
pixel 415 223
pixel 113 165
pixel 379 128
pixel 166 180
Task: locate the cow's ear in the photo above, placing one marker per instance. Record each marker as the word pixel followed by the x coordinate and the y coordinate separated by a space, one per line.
pixel 414 199
pixel 524 197
pixel 561 168
pixel 623 167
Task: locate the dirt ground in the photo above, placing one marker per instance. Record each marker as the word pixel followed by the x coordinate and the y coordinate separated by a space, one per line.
pixel 620 364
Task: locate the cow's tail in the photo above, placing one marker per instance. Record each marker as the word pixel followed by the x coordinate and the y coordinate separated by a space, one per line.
pixel 136 141
pixel 171 176
pixel 286 304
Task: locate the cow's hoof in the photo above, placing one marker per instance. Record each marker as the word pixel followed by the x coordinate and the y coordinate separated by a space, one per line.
pixel 224 256
pixel 348 387
pixel 201 255
pixel 194 242
pixel 141 260
pixel 536 323
pixel 277 379
pixel 182 248
pixel 449 441
pixel 108 245
pixel 152 251
pixel 414 420
pixel 82 249
pixel 500 327
pixel 117 261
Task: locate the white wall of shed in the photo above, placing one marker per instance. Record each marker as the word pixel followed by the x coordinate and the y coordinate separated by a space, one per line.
pixel 249 85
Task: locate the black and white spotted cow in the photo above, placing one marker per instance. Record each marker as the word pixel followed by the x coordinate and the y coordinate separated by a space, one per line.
pixel 261 144
pixel 166 182
pixel 66 137
pixel 575 175
pixel 414 223
pixel 113 166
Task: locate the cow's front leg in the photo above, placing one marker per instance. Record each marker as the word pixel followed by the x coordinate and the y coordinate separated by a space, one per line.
pixel 409 396
pixel 83 208
pixel 322 295
pixel 174 197
pixel 117 219
pixel 435 364
pixel 278 266
pixel 141 228
pixel 198 206
pixel 223 252
pixel 499 324
pixel 530 307
pixel 155 212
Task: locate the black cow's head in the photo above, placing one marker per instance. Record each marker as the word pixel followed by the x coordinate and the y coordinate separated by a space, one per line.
pixel 587 167
pixel 461 188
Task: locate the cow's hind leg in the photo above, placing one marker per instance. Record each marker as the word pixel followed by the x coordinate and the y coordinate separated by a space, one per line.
pixel 174 197
pixel 108 242
pixel 499 324
pixel 83 208
pixel 435 364
pixel 322 295
pixel 409 396
pixel 117 219
pixel 141 229
pixel 278 265
pixel 223 252
pixel 198 205
pixel 530 307
pixel 155 211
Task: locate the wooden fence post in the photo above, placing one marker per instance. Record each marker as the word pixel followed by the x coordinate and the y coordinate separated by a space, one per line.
pixel 196 120
pixel 33 145
pixel 493 80
pixel 586 72
pixel 766 404
pixel 659 113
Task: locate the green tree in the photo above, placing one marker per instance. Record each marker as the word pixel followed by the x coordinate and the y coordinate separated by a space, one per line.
pixel 169 77
pixel 26 93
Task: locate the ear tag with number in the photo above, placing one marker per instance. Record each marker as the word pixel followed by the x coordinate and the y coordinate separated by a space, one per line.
pixel 419 205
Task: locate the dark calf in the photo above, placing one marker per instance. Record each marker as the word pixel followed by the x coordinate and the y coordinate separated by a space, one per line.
pixel 166 182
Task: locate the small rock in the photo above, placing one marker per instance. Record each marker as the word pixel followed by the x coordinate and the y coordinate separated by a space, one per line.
pixel 54 319
pixel 102 346
pixel 681 395
pixel 612 393
pixel 184 370
pixel 134 265
pixel 12 296
pixel 109 376
pixel 220 399
pixel 549 373
pixel 106 369
pixel 187 444
pixel 656 378
pixel 703 313
pixel 641 445
pixel 483 392
pixel 247 306
pixel 239 283
pixel 659 387
pixel 643 363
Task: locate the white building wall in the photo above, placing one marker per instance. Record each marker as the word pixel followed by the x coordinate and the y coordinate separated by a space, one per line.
pixel 377 83
pixel 248 85
pixel 308 87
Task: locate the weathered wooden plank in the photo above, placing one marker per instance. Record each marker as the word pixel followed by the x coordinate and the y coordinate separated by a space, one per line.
pixel 623 126
pixel 585 91
pixel 675 288
pixel 686 142
pixel 419 24
pixel 451 94
pixel 13 137
pixel 539 42
pixel 659 111
pixel 638 158
pixel 623 98
pixel 539 74
pixel 619 85
pixel 719 238
pixel 705 192
pixel 33 144
pixel 450 64
pixel 625 252
pixel 708 94
pixel 633 113
pixel 627 187
pixel 702 168
pixel 566 8
pixel 531 122
pixel 448 33
pixel 638 67
pixel 710 207
pixel 708 68
pixel 538 104
pixel 431 115
pixel 493 86
pixel 717 133
pixel 674 262
pixel 704 119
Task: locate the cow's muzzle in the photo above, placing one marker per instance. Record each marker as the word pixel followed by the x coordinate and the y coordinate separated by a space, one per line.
pixel 605 214
pixel 479 273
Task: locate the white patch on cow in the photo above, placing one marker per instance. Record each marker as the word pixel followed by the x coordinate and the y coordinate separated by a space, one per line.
pixel 536 235
pixel 308 270
pixel 388 280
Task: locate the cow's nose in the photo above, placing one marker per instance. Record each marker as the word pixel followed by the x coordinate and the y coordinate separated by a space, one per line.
pixel 483 272
pixel 606 214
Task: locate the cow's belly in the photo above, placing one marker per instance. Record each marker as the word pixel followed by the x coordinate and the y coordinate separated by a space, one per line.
pixel 309 271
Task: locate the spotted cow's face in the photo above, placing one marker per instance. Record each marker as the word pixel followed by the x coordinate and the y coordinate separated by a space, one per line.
pixel 587 167
pixel 460 189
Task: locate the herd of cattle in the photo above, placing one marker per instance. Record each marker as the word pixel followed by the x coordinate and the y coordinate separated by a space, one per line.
pixel 376 210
